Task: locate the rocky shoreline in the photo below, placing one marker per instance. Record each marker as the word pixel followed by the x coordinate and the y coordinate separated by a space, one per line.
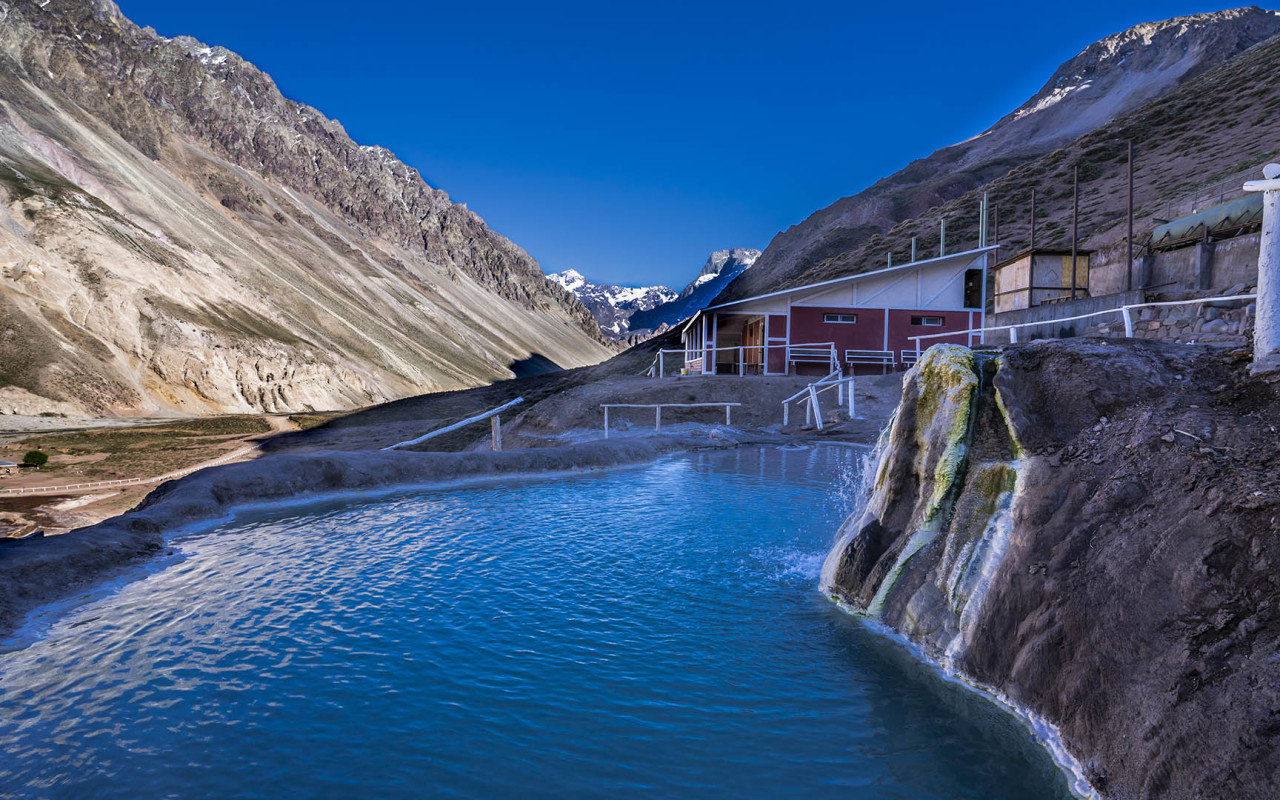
pixel 1088 527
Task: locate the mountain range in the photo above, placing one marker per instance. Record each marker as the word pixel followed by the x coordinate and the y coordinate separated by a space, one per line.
pixel 612 306
pixel 627 313
pixel 176 236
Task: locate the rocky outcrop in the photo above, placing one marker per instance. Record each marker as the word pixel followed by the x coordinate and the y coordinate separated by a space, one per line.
pixel 1106 81
pixel 1089 528
pixel 175 234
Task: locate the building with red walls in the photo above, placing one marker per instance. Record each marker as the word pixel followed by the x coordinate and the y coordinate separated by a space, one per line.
pixel 859 322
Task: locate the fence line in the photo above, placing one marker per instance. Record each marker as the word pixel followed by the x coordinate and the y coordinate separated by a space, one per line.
pixel 1123 310
pixel 80 487
pixel 657 407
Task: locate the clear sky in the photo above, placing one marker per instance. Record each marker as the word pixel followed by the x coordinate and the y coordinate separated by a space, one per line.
pixel 628 140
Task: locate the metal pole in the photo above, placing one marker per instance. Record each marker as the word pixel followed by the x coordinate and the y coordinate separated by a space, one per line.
pixel 606 422
pixel 995 219
pixel 982 221
pixel 942 240
pixel 496 430
pixel 1075 225
pixel 661 362
pixel 727 419
pixel 1266 326
pixel 913 249
pixel 889 258
pixel 657 418
pixel 1128 283
pixel 1032 246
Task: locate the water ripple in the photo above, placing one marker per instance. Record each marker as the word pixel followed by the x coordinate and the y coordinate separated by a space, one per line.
pixel 645 632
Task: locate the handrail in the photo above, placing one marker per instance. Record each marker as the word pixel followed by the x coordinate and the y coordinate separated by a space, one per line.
pixel 657 417
pixel 1128 321
pixel 497 430
pixel 813 409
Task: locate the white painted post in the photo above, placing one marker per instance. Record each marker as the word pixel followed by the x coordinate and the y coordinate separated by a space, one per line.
pixel 496 429
pixel 660 364
pixel 1013 336
pixel 851 399
pixel 1128 322
pixel 727 421
pixel 786 414
pixel 606 422
pixel 742 362
pixel 657 418
pixel 808 411
pixel 817 409
pixel 1266 326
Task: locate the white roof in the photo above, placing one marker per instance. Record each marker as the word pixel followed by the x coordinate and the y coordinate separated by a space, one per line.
pixel 965 257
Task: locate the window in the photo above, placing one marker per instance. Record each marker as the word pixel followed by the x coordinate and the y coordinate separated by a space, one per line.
pixel 839 317
pixel 932 322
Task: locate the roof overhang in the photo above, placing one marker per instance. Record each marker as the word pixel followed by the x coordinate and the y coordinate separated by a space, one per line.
pixel 966 257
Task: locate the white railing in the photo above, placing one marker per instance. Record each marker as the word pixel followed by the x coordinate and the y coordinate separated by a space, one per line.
pixel 90 485
pixel 1124 311
pixel 490 414
pixel 657 407
pixel 809 396
pixel 820 352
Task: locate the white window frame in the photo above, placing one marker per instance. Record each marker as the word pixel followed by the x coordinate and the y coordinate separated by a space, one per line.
pixel 826 318
pixel 925 321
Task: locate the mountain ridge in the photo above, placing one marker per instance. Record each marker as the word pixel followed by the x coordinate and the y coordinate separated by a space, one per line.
pixel 1125 70
pixel 180 236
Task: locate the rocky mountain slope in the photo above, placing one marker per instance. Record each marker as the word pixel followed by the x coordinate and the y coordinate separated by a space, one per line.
pixel 1093 91
pixel 722 267
pixel 612 306
pixel 1088 527
pixel 175 235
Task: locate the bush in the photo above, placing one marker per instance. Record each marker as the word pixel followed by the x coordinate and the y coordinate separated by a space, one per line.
pixel 35 458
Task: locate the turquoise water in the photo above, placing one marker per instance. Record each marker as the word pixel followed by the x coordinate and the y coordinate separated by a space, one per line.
pixel 649 632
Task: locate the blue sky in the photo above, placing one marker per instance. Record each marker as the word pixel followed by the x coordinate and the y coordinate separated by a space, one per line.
pixel 628 140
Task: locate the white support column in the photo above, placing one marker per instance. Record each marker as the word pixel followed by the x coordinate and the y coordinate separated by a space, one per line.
pixel 715 341
pixel 1266 328
pixel 657 418
pixel 496 429
pixel 606 422
pixel 705 344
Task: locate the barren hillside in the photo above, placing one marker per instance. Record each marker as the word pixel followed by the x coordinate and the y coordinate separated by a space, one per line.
pixel 175 235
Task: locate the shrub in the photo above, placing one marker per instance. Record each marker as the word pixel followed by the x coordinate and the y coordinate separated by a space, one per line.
pixel 35 458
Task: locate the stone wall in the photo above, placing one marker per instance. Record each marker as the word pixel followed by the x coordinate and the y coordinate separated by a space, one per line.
pixel 1223 323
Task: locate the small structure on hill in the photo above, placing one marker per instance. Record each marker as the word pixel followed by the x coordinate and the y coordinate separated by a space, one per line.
pixel 858 321
pixel 8 469
pixel 1035 277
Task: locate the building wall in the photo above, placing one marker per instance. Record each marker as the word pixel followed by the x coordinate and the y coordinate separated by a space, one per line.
pixel 900 328
pixel 1233 261
pixel 866 334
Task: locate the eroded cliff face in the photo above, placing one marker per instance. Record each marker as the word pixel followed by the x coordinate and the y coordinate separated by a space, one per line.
pixel 1090 528
pixel 175 234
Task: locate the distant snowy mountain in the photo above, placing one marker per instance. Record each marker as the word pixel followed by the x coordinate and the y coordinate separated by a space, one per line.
pixel 612 306
pixel 721 268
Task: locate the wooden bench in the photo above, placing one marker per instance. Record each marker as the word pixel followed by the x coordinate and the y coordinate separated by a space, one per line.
pixel 875 358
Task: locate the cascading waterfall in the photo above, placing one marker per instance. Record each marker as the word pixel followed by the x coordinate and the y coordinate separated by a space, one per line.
pixel 922 551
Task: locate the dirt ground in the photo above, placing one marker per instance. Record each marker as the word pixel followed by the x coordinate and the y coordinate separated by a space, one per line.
pixel 106 450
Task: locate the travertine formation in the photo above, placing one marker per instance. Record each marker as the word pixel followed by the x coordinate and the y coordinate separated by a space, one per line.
pixel 176 235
